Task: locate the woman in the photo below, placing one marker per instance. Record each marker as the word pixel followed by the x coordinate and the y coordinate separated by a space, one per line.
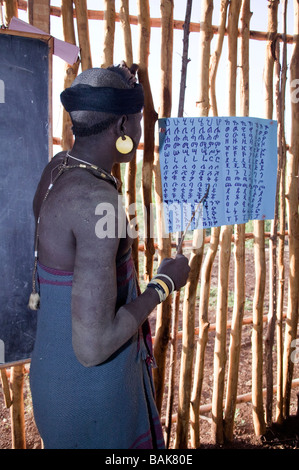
pixel 90 372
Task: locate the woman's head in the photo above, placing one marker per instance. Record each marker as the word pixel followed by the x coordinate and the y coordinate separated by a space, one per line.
pixel 99 97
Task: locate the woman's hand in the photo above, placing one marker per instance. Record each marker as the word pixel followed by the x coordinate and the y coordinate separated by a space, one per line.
pixel 177 269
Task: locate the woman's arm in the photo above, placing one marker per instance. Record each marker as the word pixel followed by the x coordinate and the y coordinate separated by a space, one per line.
pixel 97 330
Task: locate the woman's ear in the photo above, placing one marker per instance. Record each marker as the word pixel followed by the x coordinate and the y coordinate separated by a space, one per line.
pixel 121 125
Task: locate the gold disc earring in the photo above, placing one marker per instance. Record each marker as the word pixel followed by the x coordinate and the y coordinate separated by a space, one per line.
pixel 124 144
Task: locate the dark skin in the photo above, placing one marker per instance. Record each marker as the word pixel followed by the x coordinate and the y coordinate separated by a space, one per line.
pixel 68 242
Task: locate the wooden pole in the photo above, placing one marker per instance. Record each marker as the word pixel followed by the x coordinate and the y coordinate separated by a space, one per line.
pixel 225 247
pixel 162 335
pixel 257 330
pixel 182 431
pixel 185 59
pixel 272 315
pixel 109 31
pixel 149 119
pixel 246 15
pixel 83 33
pixel 216 56
pixel 17 408
pixel 176 297
pixel 232 32
pixel 124 16
pixel 220 338
pixel 204 326
pixel 10 10
pixel 172 367
pixel 269 60
pixel 163 320
pixel 239 274
pixel 209 260
pixel 39 14
pixel 2 23
pixel 67 13
pixel 131 167
pixel 71 70
pixel 282 221
pixel 259 248
pixel 236 333
pixel 293 223
pixel 5 388
pixel 107 56
pixel 279 203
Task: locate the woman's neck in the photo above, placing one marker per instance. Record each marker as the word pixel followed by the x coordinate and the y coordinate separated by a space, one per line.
pixel 93 150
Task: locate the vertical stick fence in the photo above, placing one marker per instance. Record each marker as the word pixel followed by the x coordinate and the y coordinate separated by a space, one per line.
pixel 260 257
pixel 293 226
pixel 185 384
pixel 239 255
pixel 176 297
pixel 71 70
pixel 83 33
pixel 209 259
pixel 282 220
pixel 163 320
pixel 131 168
pixel 225 247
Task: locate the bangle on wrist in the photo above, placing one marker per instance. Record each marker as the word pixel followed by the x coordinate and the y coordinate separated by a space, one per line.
pixel 159 289
pixel 168 278
pixel 163 285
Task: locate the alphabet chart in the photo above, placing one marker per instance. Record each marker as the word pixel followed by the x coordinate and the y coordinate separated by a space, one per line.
pixel 235 157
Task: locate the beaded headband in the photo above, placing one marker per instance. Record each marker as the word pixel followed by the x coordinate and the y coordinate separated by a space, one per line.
pixel 118 101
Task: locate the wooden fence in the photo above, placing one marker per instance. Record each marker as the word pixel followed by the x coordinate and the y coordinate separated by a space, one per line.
pixel 226 242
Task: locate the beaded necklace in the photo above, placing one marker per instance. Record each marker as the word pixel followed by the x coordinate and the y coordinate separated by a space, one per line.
pixel 34 299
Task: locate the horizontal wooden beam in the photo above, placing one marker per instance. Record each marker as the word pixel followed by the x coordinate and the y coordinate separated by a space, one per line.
pixel 244 398
pixel 156 23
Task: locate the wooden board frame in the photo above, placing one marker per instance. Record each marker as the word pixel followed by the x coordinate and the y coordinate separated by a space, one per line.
pixel 50 41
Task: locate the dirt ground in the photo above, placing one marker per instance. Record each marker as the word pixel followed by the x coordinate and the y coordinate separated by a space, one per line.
pixel 278 437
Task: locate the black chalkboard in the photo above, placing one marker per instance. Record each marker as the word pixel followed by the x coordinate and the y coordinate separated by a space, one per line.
pixel 25 71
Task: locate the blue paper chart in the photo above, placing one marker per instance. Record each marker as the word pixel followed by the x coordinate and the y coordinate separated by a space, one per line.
pixel 236 157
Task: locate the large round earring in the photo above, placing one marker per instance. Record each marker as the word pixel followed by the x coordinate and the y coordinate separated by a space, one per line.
pixel 124 144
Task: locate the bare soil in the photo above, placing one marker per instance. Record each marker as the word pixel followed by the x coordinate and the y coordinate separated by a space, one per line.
pixel 285 436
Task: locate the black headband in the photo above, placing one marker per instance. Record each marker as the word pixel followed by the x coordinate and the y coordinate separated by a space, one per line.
pixel 104 99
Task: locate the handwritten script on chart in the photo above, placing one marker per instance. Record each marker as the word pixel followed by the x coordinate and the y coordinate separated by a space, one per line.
pixel 235 157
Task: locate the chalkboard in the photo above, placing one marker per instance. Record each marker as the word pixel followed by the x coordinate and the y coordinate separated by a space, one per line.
pixel 25 78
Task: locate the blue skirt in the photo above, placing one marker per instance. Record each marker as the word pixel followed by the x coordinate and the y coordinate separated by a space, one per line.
pixel 109 406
